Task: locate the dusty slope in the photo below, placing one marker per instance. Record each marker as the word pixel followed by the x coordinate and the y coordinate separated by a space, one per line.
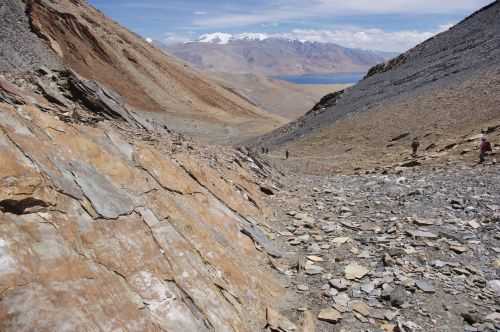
pixel 443 90
pixel 278 97
pixel 108 226
pixel 109 220
pixel 275 56
pixel 101 50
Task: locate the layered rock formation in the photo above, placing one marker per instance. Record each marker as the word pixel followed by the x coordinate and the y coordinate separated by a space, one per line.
pixel 109 227
pixel 108 219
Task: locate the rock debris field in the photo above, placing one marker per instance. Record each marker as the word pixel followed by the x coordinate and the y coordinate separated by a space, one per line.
pixel 415 250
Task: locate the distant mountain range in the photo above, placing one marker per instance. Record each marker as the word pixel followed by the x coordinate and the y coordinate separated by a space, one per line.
pixel 260 54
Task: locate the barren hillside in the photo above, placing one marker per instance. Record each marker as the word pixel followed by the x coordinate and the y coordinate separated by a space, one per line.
pixel 160 87
pixel 443 91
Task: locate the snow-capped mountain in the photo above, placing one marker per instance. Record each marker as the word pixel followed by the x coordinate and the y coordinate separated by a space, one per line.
pixel 260 53
pixel 221 38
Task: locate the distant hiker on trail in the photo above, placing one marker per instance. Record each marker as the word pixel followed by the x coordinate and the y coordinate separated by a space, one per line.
pixel 414 146
pixel 484 148
pixel 287 154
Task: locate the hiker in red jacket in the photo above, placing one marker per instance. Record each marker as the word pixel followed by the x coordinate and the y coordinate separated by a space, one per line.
pixel 484 148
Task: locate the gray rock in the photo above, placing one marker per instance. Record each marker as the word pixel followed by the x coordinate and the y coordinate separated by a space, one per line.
pixel 425 286
pixel 398 297
pixel 339 284
pixel 107 200
pixel 495 285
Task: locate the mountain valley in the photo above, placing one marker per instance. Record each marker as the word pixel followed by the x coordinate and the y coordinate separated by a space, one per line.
pixel 140 194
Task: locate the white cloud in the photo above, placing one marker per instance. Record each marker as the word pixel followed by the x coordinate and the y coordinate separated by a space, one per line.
pixel 149 40
pixel 200 13
pixel 303 9
pixel 370 39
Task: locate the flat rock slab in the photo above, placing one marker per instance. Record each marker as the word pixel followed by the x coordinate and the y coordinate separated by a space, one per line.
pixel 423 234
pixel 330 315
pixel 426 286
pixel 108 200
pixel 355 271
pixel 361 308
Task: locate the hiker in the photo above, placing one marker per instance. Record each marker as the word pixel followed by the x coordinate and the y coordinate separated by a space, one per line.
pixel 414 146
pixel 484 148
pixel 287 154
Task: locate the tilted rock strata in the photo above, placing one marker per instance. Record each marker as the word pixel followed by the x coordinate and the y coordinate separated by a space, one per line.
pixel 103 231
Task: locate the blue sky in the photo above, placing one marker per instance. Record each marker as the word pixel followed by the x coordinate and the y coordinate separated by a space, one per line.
pixel 390 25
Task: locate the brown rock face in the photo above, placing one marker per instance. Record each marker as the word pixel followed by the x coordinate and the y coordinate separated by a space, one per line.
pixel 105 229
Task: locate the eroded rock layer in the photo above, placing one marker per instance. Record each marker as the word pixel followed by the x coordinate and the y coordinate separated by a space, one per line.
pixel 109 226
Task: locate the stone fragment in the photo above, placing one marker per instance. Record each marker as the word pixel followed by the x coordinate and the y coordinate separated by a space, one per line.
pixel 316 259
pixel 341 240
pixel 355 271
pixel 422 234
pixel 493 317
pixel 391 315
pixel 278 322
pixel 314 270
pixel 339 284
pixel 425 285
pixel 495 285
pixel 360 307
pixel 330 315
pixel 368 287
pixel 459 249
pixel 304 238
pixel 388 327
pixel 303 288
pixel 474 224
pixel 424 222
pixel 398 297
pixel 342 299
pixel 329 228
pixel 471 317
pixel 388 260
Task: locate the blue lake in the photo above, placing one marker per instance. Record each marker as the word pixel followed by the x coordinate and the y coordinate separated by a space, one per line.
pixel 342 78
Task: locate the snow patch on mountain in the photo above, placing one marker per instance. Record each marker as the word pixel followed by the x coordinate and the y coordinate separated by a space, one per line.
pixel 215 38
pixel 222 38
